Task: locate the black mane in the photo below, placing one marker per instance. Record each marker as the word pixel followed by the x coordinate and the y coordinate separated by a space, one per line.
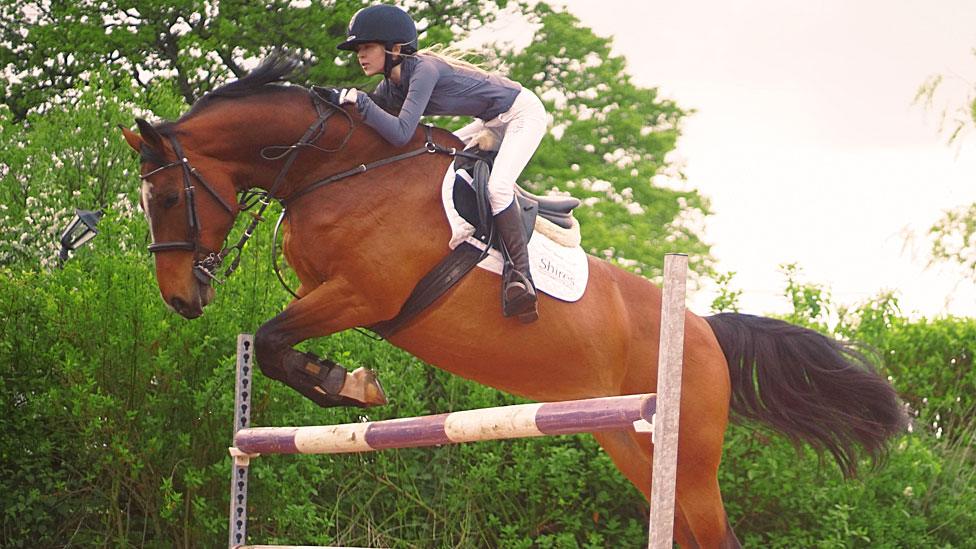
pixel 273 69
pixel 276 68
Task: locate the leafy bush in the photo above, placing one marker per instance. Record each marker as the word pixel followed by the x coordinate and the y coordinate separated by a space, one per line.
pixel 121 417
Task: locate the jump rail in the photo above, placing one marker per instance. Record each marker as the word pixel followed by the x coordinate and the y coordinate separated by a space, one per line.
pixel 506 422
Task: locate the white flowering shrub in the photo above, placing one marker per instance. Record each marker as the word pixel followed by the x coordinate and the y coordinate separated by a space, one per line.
pixel 70 154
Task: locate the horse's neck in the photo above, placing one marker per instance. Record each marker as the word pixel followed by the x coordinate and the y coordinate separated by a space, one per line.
pixel 244 133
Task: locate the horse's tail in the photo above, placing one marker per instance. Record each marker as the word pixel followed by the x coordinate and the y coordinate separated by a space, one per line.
pixel 808 386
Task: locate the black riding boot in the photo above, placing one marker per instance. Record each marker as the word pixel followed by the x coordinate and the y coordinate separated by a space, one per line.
pixel 518 292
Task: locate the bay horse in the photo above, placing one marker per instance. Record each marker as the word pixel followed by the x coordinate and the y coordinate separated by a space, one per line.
pixel 360 243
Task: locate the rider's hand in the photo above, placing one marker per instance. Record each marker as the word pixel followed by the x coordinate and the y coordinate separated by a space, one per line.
pixel 348 95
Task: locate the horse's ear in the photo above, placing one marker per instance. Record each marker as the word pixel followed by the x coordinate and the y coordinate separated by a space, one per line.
pixel 150 135
pixel 132 138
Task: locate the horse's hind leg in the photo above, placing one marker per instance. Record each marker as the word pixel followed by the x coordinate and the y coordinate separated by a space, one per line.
pixel 700 501
pixel 635 463
pixel 700 519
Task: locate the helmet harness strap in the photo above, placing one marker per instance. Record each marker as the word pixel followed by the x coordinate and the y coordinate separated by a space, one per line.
pixel 391 59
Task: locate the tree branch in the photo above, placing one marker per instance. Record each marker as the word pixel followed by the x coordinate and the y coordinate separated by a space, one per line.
pixel 227 57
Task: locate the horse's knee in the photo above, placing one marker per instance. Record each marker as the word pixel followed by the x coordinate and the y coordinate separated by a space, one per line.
pixel 268 345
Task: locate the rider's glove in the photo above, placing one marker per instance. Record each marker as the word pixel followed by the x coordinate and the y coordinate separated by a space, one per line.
pixel 348 95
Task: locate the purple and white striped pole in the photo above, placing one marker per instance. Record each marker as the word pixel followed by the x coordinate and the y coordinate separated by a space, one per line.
pixel 505 422
pixel 242 419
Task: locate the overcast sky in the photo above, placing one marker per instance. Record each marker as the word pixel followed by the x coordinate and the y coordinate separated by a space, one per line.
pixel 806 138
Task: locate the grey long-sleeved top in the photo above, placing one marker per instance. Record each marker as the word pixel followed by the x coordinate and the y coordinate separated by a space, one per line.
pixel 429 85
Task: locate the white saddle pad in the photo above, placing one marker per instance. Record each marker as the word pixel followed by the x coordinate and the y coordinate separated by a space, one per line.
pixel 557 270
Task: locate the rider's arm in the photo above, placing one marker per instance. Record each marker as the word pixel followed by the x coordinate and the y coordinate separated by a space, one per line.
pixel 399 129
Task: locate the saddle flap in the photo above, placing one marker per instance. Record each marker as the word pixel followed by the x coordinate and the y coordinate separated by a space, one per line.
pixel 476 164
pixel 529 209
pixel 471 201
pixel 558 206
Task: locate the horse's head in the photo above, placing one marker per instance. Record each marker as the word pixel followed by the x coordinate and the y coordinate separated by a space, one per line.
pixel 192 170
pixel 229 142
pixel 190 202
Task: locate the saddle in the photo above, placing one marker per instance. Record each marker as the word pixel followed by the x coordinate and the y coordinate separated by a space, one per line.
pixel 471 198
pixel 470 193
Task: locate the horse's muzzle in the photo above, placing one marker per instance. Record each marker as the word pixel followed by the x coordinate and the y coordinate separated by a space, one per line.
pixel 193 308
pixel 186 310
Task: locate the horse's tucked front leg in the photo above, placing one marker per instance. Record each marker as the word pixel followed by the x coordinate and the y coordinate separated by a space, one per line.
pixel 322 381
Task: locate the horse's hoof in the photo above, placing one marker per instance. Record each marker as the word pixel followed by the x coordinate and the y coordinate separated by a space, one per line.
pixel 364 387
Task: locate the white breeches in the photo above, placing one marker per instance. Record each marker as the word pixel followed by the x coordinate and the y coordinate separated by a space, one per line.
pixel 520 129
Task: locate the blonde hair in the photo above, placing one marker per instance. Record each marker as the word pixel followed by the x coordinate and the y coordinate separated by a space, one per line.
pixel 453 56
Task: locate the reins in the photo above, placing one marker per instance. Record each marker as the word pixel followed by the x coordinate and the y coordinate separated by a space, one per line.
pixel 205 268
pixel 429 147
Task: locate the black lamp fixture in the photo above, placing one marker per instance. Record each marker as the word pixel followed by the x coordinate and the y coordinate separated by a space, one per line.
pixel 79 231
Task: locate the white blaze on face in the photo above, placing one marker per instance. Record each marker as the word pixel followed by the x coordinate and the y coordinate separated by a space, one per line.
pixel 146 196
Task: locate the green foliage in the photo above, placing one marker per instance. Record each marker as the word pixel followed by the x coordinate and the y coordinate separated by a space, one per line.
pixel 52 47
pixel 922 496
pixel 727 300
pixel 65 158
pixel 954 238
pixel 811 302
pixel 930 360
pixel 609 140
pixel 117 415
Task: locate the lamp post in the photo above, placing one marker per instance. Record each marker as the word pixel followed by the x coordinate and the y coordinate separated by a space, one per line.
pixel 80 230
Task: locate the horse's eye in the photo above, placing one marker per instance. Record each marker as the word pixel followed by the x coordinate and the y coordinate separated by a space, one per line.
pixel 170 201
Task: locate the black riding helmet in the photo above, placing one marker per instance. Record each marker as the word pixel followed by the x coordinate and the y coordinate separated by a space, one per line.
pixel 386 24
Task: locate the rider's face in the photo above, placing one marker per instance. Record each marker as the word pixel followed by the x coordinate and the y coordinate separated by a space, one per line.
pixel 371 57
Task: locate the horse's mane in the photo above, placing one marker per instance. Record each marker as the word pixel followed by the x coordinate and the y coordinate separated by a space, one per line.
pixel 276 68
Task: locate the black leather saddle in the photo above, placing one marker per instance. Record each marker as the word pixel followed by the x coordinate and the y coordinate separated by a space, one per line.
pixel 471 197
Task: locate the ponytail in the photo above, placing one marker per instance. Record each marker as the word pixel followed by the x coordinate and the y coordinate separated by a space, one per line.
pixel 453 56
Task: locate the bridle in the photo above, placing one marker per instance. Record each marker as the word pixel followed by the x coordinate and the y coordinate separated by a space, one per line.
pixel 205 267
pixel 207 261
pixel 202 268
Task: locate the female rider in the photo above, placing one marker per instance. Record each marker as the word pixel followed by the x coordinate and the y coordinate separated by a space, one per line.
pixel 384 38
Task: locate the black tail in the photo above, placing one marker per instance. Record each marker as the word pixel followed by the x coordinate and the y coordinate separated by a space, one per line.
pixel 808 386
